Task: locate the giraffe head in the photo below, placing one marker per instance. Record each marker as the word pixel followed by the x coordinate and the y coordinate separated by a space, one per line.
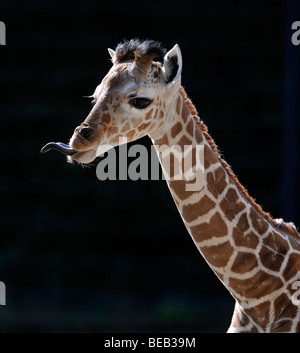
pixel 131 101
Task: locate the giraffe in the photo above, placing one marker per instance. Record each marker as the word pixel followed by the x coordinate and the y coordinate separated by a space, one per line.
pixel 256 257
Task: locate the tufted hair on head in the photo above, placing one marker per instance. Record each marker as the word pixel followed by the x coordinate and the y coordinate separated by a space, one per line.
pixel 135 48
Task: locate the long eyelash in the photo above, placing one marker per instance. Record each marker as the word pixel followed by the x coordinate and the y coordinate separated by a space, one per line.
pixel 94 101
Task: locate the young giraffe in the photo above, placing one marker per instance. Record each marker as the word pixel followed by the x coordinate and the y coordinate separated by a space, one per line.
pixel 256 257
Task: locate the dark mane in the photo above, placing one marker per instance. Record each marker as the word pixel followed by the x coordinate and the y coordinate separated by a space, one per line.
pixel 128 50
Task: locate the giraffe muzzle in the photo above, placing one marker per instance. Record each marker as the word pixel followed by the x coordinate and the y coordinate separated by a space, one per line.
pixel 84 131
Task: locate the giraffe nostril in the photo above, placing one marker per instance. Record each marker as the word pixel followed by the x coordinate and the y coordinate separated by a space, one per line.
pixel 84 131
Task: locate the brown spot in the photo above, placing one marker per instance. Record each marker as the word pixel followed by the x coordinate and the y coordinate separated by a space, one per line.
pixel 143 126
pixel 273 251
pixel 280 305
pixel 193 211
pixel 270 259
pixel 179 188
pixel 184 141
pixel 230 205
pixel 176 129
pixel 260 313
pixel 281 326
pixel 244 320
pixel 162 141
pixel 249 240
pixel 104 106
pixel 112 131
pixel 244 262
pixel 106 118
pixel 294 243
pixel 125 127
pixel 243 223
pixel 149 114
pixel 258 221
pixel 216 181
pixel 292 266
pixel 257 286
pixel 218 255
pixel 209 157
pixel 198 135
pixel 161 114
pixel 283 307
pixel 276 243
pixel 215 228
pixel 178 105
pixel 185 112
pixel 114 78
pixel 190 127
pixel 155 75
pixel 130 135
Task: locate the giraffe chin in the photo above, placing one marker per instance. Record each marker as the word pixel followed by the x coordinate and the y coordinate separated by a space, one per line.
pixel 83 157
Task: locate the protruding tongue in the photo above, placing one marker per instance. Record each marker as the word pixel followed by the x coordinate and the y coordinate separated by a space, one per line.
pixel 60 147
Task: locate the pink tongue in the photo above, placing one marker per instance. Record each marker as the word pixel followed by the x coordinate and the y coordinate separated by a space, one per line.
pixel 60 147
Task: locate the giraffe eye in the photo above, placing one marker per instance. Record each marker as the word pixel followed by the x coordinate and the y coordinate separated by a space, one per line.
pixel 140 103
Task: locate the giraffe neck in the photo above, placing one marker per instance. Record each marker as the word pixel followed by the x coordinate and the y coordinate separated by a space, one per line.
pixel 238 240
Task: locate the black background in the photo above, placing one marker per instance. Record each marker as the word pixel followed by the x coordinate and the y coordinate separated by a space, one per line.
pixel 81 255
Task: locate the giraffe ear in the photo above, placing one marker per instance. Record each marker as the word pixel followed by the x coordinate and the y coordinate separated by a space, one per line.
pixel 172 65
pixel 112 54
